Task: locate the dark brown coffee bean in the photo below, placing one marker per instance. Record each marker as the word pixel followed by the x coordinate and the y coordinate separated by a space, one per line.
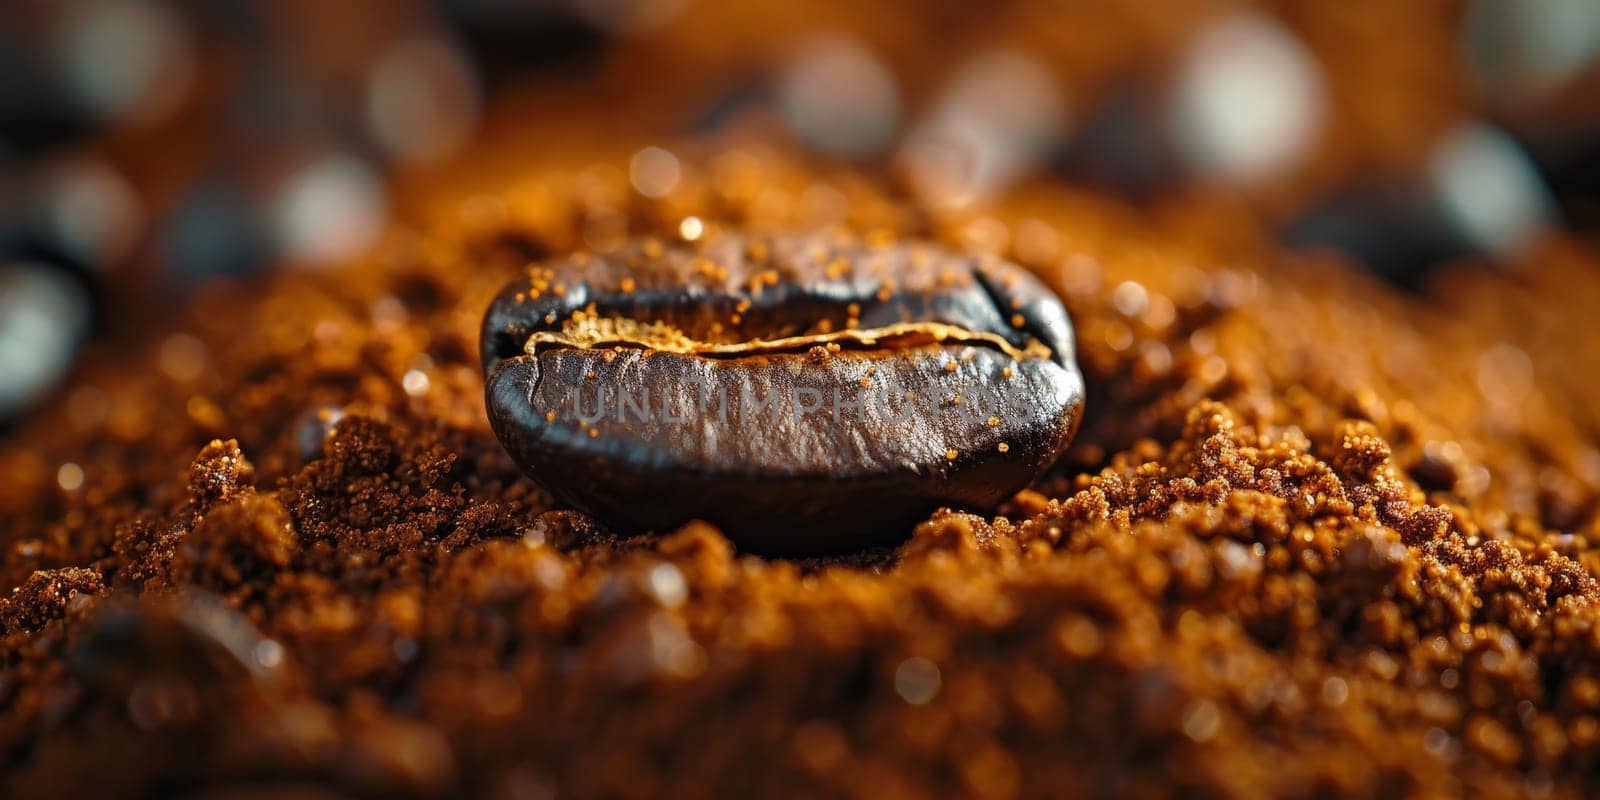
pixel 802 392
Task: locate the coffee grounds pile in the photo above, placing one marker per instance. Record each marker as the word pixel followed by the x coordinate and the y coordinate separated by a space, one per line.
pixel 1317 537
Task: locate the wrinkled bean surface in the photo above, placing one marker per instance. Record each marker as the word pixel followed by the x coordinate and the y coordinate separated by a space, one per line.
pixel 803 392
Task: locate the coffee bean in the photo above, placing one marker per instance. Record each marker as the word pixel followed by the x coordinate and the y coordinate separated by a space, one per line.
pixel 805 393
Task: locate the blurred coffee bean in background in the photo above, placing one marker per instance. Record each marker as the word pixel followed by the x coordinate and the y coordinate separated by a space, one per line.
pixel 74 66
pixel 1479 195
pixel 44 316
pixel 1393 228
pixel 1490 190
pixel 422 99
pixel 1248 101
pixel 80 210
pixel 512 39
pixel 1568 159
pixel 1519 51
pixel 123 60
pixel 1120 145
pixel 213 228
pixel 327 211
pixel 999 116
pixel 149 147
pixel 839 98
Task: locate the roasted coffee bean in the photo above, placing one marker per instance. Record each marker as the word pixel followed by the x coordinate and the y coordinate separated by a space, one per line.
pixel 805 393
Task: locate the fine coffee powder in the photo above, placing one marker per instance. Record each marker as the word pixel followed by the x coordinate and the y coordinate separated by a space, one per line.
pixel 1314 537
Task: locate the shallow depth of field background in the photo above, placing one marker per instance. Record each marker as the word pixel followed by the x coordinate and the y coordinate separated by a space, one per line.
pixel 148 147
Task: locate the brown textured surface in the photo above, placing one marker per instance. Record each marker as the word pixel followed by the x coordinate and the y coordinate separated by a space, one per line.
pixel 1315 538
